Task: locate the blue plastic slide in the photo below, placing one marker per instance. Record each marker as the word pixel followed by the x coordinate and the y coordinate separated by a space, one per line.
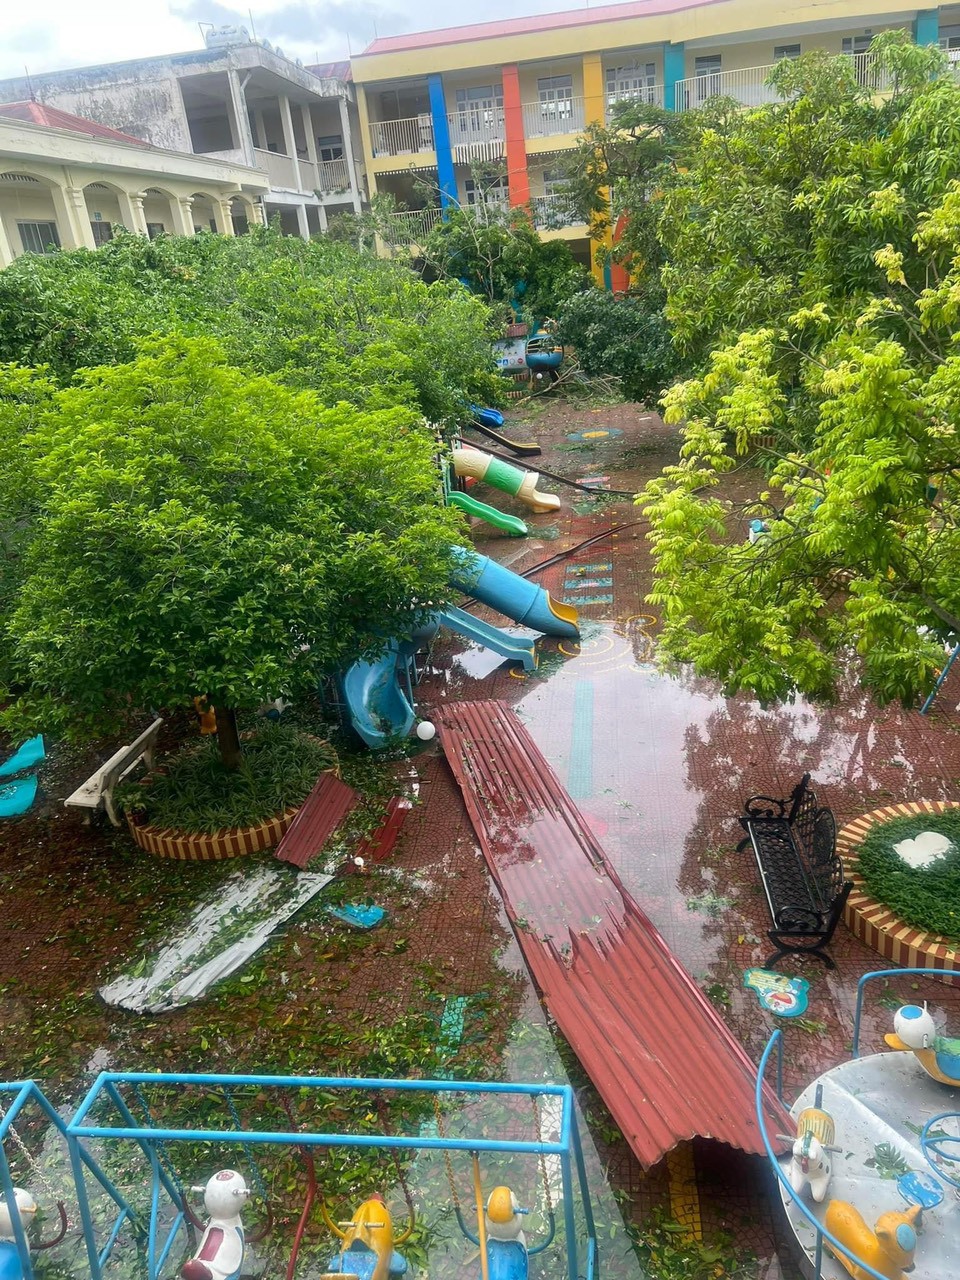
pixel 378 707
pixel 519 598
pixel 31 753
pixel 17 797
pixel 515 648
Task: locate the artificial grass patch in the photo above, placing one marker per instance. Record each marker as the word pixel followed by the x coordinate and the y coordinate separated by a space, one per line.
pixel 194 792
pixel 926 897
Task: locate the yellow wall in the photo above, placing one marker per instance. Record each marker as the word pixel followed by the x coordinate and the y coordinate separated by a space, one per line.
pixel 695 24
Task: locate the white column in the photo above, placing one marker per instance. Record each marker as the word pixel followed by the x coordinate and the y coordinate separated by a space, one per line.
pixel 183 213
pixel 289 140
pixel 131 211
pixel 348 152
pixel 239 104
pixel 6 250
pixel 72 215
pixel 222 215
pixel 322 215
pixel 261 139
pixel 302 223
pixel 255 212
pixel 308 132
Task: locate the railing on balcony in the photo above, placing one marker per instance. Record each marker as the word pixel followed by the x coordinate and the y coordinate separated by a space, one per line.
pixel 278 168
pixel 309 175
pixel 402 137
pixel 552 212
pixel 410 226
pixel 651 94
pixel 748 85
pixel 549 119
pixel 334 175
pixel 477 133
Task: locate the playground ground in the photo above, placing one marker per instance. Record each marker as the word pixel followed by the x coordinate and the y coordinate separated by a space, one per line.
pixel 659 765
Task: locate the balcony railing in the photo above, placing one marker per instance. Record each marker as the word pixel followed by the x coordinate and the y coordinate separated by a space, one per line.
pixel 309 175
pixel 278 168
pixel 550 119
pixel 410 226
pixel 334 175
pixel 402 137
pixel 748 85
pixel 552 212
pixel 651 94
pixel 477 133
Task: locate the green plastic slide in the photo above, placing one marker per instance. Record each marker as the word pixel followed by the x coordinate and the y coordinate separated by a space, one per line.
pixel 499 519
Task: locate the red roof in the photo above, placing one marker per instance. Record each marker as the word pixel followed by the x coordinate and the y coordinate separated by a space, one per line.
pixel 53 118
pixel 661 1057
pixel 332 70
pixel 539 22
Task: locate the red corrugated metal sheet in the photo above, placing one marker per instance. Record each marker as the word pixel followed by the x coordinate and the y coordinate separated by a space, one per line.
pixel 317 818
pixel 662 1058
pixel 378 846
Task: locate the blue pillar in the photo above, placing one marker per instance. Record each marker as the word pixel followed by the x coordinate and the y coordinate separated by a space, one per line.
pixel 446 178
pixel 674 69
pixel 926 28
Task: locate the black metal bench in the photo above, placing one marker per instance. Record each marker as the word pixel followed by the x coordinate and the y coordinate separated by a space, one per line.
pixel 795 844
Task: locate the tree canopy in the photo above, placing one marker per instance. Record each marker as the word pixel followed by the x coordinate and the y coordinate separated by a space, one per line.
pixel 194 529
pixel 812 276
pixel 318 315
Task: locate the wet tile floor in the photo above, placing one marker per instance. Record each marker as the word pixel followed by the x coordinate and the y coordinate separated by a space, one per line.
pixel 661 765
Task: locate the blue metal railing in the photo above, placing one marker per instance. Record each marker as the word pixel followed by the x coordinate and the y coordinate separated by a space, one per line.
pixel 165 1197
pixel 822 1233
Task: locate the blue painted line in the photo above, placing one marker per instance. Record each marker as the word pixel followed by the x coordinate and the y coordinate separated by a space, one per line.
pixel 581 584
pixel 605 598
pixel 580 773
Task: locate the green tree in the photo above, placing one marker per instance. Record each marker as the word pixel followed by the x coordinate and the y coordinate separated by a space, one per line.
pixel 622 337
pixel 813 264
pixel 320 315
pixel 201 531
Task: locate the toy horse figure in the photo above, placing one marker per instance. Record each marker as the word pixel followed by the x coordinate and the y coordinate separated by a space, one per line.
pixel 915 1031
pixel 220 1255
pixel 810 1162
pixel 368 1241
pixel 508 1253
pixel 26 1207
pixel 889 1248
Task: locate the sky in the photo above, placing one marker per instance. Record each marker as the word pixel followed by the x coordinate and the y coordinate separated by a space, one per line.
pixel 66 34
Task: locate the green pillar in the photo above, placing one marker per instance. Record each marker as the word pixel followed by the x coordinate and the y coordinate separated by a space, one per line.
pixel 674 69
pixel 926 26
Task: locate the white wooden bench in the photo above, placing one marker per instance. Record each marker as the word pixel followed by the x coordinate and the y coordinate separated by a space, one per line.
pixel 97 791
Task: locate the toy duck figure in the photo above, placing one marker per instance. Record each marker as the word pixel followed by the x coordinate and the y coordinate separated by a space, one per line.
pixel 810 1162
pixel 368 1241
pixel 915 1032
pixel 10 1266
pixel 889 1248
pixel 506 1244
pixel 220 1255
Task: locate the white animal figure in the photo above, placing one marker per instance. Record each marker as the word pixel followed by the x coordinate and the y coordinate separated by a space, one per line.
pixel 220 1255
pixel 810 1165
pixel 26 1207
pixel 504 1217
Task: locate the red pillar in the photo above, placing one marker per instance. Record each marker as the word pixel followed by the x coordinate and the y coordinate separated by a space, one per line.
pixel 517 176
pixel 619 274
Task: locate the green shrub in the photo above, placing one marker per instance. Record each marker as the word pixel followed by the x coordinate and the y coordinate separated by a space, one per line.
pixel 194 792
pixel 925 897
pixel 625 338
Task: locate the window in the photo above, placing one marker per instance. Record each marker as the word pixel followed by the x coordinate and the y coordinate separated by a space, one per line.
pixel 39 237
pixel 330 148
pixel 555 182
pixel 950 42
pixel 155 229
pixel 633 83
pixel 856 44
pixel 781 51
pixel 480 110
pixel 102 231
pixel 489 191
pixel 707 70
pixel 857 47
pixel 556 97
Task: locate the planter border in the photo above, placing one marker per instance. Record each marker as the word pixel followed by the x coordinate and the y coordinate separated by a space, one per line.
pixel 872 922
pixel 213 846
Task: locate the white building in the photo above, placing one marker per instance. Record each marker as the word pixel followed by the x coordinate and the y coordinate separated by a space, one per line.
pixel 67 182
pixel 236 101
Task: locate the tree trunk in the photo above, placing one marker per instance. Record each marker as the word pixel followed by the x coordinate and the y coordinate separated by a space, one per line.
pixel 231 753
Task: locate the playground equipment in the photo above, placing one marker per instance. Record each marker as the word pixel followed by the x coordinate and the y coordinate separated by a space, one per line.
pixel 876 1099
pixel 17 796
pixel 810 1163
pixel 914 1031
pixel 154 1146
pixel 378 706
pixel 368 1249
pixel 888 1248
pixel 518 598
pixel 515 648
pixel 219 1255
pixel 501 475
pixel 489 421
